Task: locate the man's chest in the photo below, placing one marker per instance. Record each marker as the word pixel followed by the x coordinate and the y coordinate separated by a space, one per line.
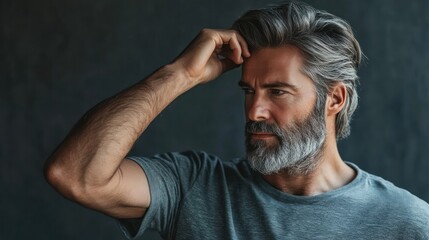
pixel 248 215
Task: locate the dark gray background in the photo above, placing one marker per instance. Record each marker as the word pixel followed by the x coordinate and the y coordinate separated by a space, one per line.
pixel 59 58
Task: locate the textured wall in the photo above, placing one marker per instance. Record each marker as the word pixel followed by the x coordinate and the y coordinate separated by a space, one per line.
pixel 59 58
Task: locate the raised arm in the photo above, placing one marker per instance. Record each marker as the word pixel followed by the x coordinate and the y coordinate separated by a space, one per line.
pixel 89 166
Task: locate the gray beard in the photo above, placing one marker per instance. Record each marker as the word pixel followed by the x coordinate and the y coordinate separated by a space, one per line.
pixel 297 149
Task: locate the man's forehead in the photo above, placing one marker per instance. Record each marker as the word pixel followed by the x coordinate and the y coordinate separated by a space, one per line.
pixel 279 64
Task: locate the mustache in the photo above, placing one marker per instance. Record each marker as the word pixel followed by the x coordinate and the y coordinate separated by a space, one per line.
pixel 263 127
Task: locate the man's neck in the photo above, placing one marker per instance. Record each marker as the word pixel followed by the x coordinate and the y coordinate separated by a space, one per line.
pixel 330 174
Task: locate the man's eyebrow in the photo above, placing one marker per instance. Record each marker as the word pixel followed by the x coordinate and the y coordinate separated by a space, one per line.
pixel 276 84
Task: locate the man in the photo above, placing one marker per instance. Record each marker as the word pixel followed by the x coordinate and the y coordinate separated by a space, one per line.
pixel 299 78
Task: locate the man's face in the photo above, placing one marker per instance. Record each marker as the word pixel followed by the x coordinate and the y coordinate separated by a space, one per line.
pixel 284 130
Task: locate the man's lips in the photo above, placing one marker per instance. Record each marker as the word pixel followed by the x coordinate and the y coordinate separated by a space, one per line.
pixel 261 135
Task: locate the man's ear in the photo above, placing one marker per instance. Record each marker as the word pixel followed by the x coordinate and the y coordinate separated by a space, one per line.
pixel 336 99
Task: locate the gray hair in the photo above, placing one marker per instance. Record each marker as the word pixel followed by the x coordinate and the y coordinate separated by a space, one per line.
pixel 332 53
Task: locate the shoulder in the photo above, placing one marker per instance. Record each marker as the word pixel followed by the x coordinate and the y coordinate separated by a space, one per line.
pixel 199 158
pixel 399 205
pixel 389 191
pixel 195 158
pixel 194 162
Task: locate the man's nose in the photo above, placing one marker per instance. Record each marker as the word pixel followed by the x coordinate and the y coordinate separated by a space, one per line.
pixel 257 108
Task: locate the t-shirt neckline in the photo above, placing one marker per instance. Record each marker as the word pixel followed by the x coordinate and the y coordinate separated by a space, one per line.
pixel 287 197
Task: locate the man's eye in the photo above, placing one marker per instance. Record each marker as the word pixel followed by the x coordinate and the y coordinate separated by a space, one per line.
pixel 247 90
pixel 277 92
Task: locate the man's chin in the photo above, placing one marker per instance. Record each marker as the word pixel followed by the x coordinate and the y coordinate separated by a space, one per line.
pixel 263 168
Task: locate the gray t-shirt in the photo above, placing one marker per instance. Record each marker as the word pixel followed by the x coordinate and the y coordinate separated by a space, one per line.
pixel 198 196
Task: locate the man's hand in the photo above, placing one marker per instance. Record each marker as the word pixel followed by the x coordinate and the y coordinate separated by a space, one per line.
pixel 212 53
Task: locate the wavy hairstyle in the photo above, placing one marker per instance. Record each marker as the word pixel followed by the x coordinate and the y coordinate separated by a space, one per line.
pixel 331 52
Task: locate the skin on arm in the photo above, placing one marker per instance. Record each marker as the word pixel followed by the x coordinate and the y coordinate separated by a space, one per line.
pixel 89 166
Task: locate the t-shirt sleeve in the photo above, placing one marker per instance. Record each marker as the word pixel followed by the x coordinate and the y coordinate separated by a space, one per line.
pixel 170 176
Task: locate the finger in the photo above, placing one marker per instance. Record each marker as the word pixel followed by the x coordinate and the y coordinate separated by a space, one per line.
pixel 244 49
pixel 235 47
pixel 228 64
pixel 229 38
pixel 243 44
pixel 225 52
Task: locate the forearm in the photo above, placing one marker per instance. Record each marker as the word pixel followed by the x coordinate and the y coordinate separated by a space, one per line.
pixel 88 166
pixel 96 146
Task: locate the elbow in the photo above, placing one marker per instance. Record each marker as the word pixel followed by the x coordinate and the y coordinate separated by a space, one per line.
pixel 60 180
pixel 53 174
pixel 70 184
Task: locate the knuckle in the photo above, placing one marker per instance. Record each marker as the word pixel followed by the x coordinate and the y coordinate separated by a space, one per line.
pixel 234 35
pixel 206 31
pixel 233 32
